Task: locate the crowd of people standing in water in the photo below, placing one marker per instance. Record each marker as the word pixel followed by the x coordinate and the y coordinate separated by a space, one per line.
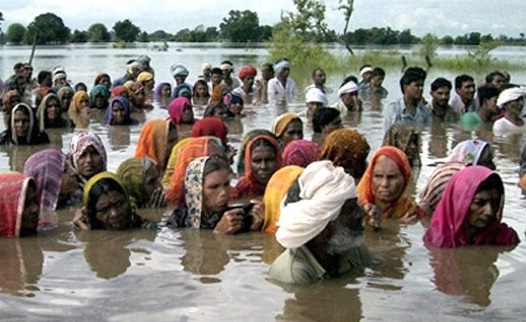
pixel 316 195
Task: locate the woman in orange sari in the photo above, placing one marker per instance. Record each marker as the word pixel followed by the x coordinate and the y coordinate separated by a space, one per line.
pixel 156 141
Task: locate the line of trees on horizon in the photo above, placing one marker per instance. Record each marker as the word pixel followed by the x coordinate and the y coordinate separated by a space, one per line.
pixel 238 27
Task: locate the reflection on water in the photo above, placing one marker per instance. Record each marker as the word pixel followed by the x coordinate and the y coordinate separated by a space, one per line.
pixel 196 275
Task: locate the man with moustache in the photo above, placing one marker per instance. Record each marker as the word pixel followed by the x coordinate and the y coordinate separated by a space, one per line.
pixel 487 112
pixel 439 107
pixel 320 226
pixel 464 101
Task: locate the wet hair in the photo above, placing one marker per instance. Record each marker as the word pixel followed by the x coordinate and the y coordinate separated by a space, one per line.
pixel 491 182
pixel 216 71
pixel 316 70
pixel 103 186
pixel 213 108
pixel 439 83
pixel 377 71
pixel 412 74
pixel 461 79
pixel 323 116
pixel 42 75
pixel 348 79
pixel 18 66
pixel 489 78
pixel 293 194
pixel 202 82
pixel 263 142
pixel 269 66
pixel 216 163
pixel 81 84
pixel 486 92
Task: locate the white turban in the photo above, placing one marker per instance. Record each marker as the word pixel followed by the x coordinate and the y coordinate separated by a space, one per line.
pixel 59 75
pixel 348 88
pixel 280 65
pixel 58 69
pixel 510 94
pixel 324 190
pixel 226 66
pixel 179 70
pixel 317 96
pixel 365 70
pixel 134 65
pixel 206 66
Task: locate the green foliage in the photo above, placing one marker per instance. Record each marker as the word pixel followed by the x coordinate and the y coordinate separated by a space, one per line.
pixel 198 34
pixel 98 32
pixel 49 28
pixel 160 35
pixel 79 36
pixel 447 41
pixel 126 31
pixel 15 33
pixel 428 46
pixel 380 36
pixel 143 37
pixel 241 26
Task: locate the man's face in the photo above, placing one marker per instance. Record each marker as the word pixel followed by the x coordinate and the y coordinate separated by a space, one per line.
pixel 441 96
pixel 319 77
pixel 414 89
pixel 467 90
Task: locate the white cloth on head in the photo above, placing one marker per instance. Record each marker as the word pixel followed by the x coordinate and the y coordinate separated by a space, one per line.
pixel 324 190
pixel 317 96
pixel 280 65
pixel 365 70
pixel 226 66
pixel 349 87
pixel 179 70
pixel 134 65
pixel 58 69
pixel 510 94
pixel 206 66
pixel 59 75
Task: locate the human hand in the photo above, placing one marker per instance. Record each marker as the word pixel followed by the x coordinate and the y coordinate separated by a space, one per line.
pixel 257 214
pixel 81 220
pixel 158 198
pixel 409 219
pixel 231 222
pixel 373 217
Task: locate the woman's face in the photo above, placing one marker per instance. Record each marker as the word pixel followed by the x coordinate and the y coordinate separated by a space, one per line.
pixel 216 190
pixel 388 181
pixel 139 97
pixel 118 114
pixel 294 131
pixel 236 108
pixel 66 99
pixel 105 81
pixel 264 163
pixel 84 104
pixel 151 180
pixel 113 210
pixel 21 122
pixel 90 162
pixel 483 209
pixel 100 101
pixel 188 115
pixel 167 91
pixel 52 109
pixel 30 214
pixel 412 148
pixel 486 158
pixel 69 183
pixel 149 84
pixel 201 90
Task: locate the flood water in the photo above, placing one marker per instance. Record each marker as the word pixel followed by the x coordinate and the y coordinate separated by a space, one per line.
pixel 188 275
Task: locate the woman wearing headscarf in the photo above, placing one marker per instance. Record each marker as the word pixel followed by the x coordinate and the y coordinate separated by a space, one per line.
pixel 65 95
pixel 137 97
pixel 180 158
pixel 22 129
pixel 287 127
pixel 207 185
pixel 103 79
pixel 383 189
pixel 181 112
pixel 119 113
pixel 142 181
pixel 79 110
pixel 10 99
pixel 348 149
pixel 120 91
pixel 406 138
pixel 156 141
pixel 473 152
pixel 147 81
pixel 54 177
pixel 262 159
pixel 243 146
pixel 49 113
pixel 234 104
pixel 247 75
pixel 163 94
pixel 470 213
pixel 277 188
pixel 18 205
pixel 301 153
pixel 98 97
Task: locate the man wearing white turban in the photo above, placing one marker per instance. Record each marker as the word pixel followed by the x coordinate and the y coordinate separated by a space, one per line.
pixel 281 89
pixel 179 73
pixel 511 101
pixel 348 100
pixel 320 227
pixel 314 99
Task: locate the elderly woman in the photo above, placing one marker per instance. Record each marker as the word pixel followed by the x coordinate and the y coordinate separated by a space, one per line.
pixel 262 159
pixel 54 177
pixel 22 129
pixel 87 156
pixel 383 190
pixel 119 113
pixel 406 138
pixel 106 205
pixel 18 205
pixel 79 110
pixel 470 212
pixel 324 121
pixel 49 113
pixel 142 180
pixel 98 97
pixel 287 127
pixel 207 186
pixel 156 141
pixel 301 153
pixel 348 149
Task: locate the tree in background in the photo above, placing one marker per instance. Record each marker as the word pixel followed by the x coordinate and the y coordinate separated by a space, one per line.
pixel 240 26
pixel 79 36
pixel 98 32
pixel 428 48
pixel 15 33
pixel 49 29
pixel 126 31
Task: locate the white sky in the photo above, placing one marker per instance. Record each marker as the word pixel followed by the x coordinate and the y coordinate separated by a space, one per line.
pixel 441 17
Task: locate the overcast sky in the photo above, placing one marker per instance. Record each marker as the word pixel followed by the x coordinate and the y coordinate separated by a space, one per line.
pixel 441 17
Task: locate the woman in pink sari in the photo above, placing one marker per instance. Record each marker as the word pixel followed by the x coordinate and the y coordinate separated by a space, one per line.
pixel 470 212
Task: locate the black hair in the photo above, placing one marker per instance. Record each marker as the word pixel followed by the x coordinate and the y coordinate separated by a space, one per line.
pixel 412 74
pixel 365 65
pixel 227 62
pixel 216 163
pixel 460 79
pixel 323 116
pixel 490 76
pixel 316 70
pixel 80 84
pixel 349 79
pixel 268 65
pixel 263 142
pixel 213 107
pixel 103 186
pixel 293 194
pixel 17 66
pixel 439 83
pixel 216 71
pixel 377 71
pixel 42 75
pixel 493 181
pixel 202 82
pixel 486 92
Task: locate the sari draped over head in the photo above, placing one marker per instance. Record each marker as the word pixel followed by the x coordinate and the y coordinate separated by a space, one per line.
pixel 13 191
pixel 153 142
pixel 436 184
pixel 108 115
pixel 301 153
pixel 8 107
pixel 244 142
pixel 468 151
pixel 158 93
pixel 277 188
pixel 248 186
pixel 446 229
pixel 79 143
pixel 348 149
pixel 132 173
pixel 404 204
pixel 191 150
pixel 211 126
pixel 118 90
pixel 281 122
pixel 29 111
pixel 177 107
pixel 47 168
pixel 193 191
pixel 65 90
pixel 179 90
pixel 74 111
pixel 399 135
pixel 99 77
pixel 98 90
pixel 42 114
pixel 170 167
